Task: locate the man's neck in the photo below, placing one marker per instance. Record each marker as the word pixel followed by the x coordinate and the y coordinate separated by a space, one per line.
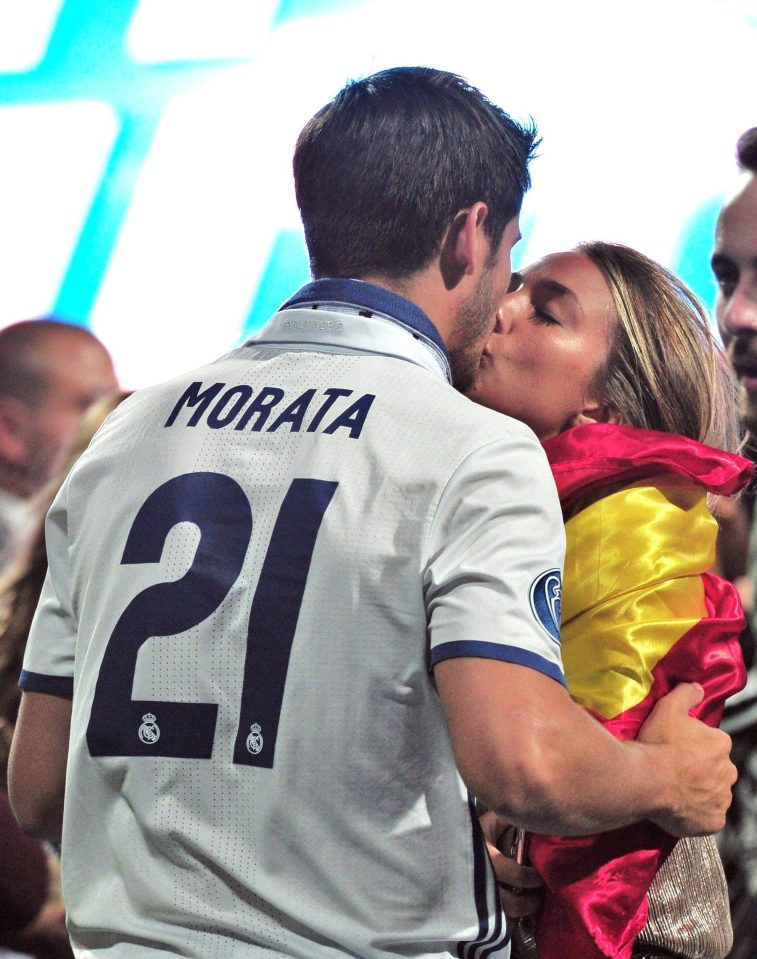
pixel 426 291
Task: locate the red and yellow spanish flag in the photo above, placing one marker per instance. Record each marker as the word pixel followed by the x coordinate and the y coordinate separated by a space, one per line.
pixel 640 613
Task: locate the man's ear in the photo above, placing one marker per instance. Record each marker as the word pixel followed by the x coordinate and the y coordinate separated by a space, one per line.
pixel 594 413
pixel 465 248
pixel 14 417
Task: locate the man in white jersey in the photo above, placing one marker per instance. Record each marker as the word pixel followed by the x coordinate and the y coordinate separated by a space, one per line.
pixel 293 592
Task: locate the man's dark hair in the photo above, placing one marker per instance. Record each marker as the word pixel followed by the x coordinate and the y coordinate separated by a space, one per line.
pixel 746 150
pixel 381 171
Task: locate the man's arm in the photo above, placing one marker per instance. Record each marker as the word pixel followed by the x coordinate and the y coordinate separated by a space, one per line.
pixel 37 765
pixel 529 753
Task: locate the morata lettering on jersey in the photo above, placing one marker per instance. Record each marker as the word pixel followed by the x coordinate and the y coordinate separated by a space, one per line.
pixel 220 406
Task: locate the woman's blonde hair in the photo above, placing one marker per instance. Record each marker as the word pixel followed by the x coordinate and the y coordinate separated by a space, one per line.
pixel 664 370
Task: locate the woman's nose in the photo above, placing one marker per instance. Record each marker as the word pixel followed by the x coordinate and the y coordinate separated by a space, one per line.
pixel 505 315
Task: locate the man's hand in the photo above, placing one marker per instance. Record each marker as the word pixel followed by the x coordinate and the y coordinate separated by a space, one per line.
pixel 519 885
pixel 698 759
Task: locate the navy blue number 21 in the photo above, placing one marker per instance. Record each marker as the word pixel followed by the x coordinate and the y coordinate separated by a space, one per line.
pixel 122 726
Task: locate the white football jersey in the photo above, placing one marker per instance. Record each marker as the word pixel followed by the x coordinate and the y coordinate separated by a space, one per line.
pixel 252 572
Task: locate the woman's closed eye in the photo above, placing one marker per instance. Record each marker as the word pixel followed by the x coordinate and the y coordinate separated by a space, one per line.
pixel 541 316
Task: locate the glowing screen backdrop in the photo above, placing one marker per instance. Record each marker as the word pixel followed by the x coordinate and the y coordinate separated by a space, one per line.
pixel 145 169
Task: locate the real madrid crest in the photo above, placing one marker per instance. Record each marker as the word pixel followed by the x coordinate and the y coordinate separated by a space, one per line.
pixel 254 741
pixel 149 731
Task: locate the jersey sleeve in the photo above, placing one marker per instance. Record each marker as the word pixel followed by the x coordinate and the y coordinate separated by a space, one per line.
pixel 493 573
pixel 49 657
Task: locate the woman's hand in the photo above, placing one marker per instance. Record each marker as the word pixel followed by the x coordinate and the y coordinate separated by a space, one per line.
pixel 519 885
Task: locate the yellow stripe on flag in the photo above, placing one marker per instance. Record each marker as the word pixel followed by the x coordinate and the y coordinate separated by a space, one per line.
pixel 632 588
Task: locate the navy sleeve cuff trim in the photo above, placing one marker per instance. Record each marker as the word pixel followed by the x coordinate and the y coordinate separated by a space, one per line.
pixel 506 654
pixel 42 683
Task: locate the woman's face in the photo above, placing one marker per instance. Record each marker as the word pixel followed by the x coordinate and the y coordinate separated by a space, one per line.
pixel 552 335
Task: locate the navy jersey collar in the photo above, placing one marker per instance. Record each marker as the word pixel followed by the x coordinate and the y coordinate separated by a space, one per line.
pixel 366 296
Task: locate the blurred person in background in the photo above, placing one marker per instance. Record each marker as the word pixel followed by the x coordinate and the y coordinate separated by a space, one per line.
pixel 734 263
pixel 50 373
pixel 32 914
